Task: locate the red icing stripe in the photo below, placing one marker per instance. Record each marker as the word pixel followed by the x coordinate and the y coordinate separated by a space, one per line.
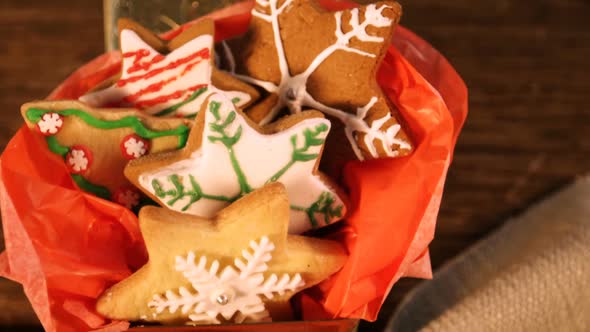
pixel 138 56
pixel 171 96
pixel 142 52
pixel 149 89
pixel 158 86
pixel 190 66
pixel 139 66
pixel 202 54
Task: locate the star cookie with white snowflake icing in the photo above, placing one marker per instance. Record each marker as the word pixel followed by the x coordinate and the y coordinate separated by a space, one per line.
pixel 97 144
pixel 227 156
pixel 168 78
pixel 240 266
pixel 306 57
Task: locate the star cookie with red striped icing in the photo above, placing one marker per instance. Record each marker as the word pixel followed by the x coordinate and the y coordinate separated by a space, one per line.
pixel 97 144
pixel 168 78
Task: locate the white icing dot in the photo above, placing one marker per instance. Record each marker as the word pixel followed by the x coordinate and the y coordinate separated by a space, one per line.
pixel 78 160
pixel 134 147
pixel 50 123
pixel 129 198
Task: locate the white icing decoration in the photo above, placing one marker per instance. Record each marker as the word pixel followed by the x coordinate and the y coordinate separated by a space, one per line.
pixel 50 123
pixel 231 61
pixel 260 156
pixel 292 90
pixel 78 160
pixel 135 147
pixel 183 79
pixel 235 293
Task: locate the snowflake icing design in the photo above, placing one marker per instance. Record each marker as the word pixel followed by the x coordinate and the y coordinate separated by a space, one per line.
pixel 50 123
pixel 127 197
pixel 134 147
pixel 292 89
pixel 78 159
pixel 236 293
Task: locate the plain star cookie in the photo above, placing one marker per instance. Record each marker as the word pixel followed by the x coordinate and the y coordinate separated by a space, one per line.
pixel 227 156
pixel 240 266
pixel 168 78
pixel 97 144
pixel 305 57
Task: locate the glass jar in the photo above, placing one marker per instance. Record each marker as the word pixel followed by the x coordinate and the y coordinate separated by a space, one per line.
pixel 156 15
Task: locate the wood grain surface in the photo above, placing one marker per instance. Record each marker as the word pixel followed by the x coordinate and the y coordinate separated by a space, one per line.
pixel 524 61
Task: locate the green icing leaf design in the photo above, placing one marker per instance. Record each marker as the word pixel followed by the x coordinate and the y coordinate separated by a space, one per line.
pixel 175 107
pixel 311 138
pixel 322 206
pixel 219 127
pixel 179 192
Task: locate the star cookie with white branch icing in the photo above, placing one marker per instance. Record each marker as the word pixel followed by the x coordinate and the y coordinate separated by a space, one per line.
pixel 168 78
pixel 306 57
pixel 227 156
pixel 240 266
pixel 97 144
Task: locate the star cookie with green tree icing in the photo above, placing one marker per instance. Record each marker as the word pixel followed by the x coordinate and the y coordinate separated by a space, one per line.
pixel 97 144
pixel 228 156
pixel 239 266
pixel 168 78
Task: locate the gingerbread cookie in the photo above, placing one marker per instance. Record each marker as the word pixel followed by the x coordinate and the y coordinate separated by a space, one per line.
pixel 168 78
pixel 227 156
pixel 305 57
pixel 240 266
pixel 96 144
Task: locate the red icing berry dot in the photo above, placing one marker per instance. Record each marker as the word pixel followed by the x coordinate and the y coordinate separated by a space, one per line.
pixel 50 124
pixel 79 159
pixel 133 146
pixel 127 197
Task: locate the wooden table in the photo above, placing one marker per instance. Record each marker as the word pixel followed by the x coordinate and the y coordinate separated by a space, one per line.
pixel 524 61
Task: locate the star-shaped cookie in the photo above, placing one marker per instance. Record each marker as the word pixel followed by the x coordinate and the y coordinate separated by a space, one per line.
pixel 168 78
pixel 97 144
pixel 240 266
pixel 305 57
pixel 228 156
